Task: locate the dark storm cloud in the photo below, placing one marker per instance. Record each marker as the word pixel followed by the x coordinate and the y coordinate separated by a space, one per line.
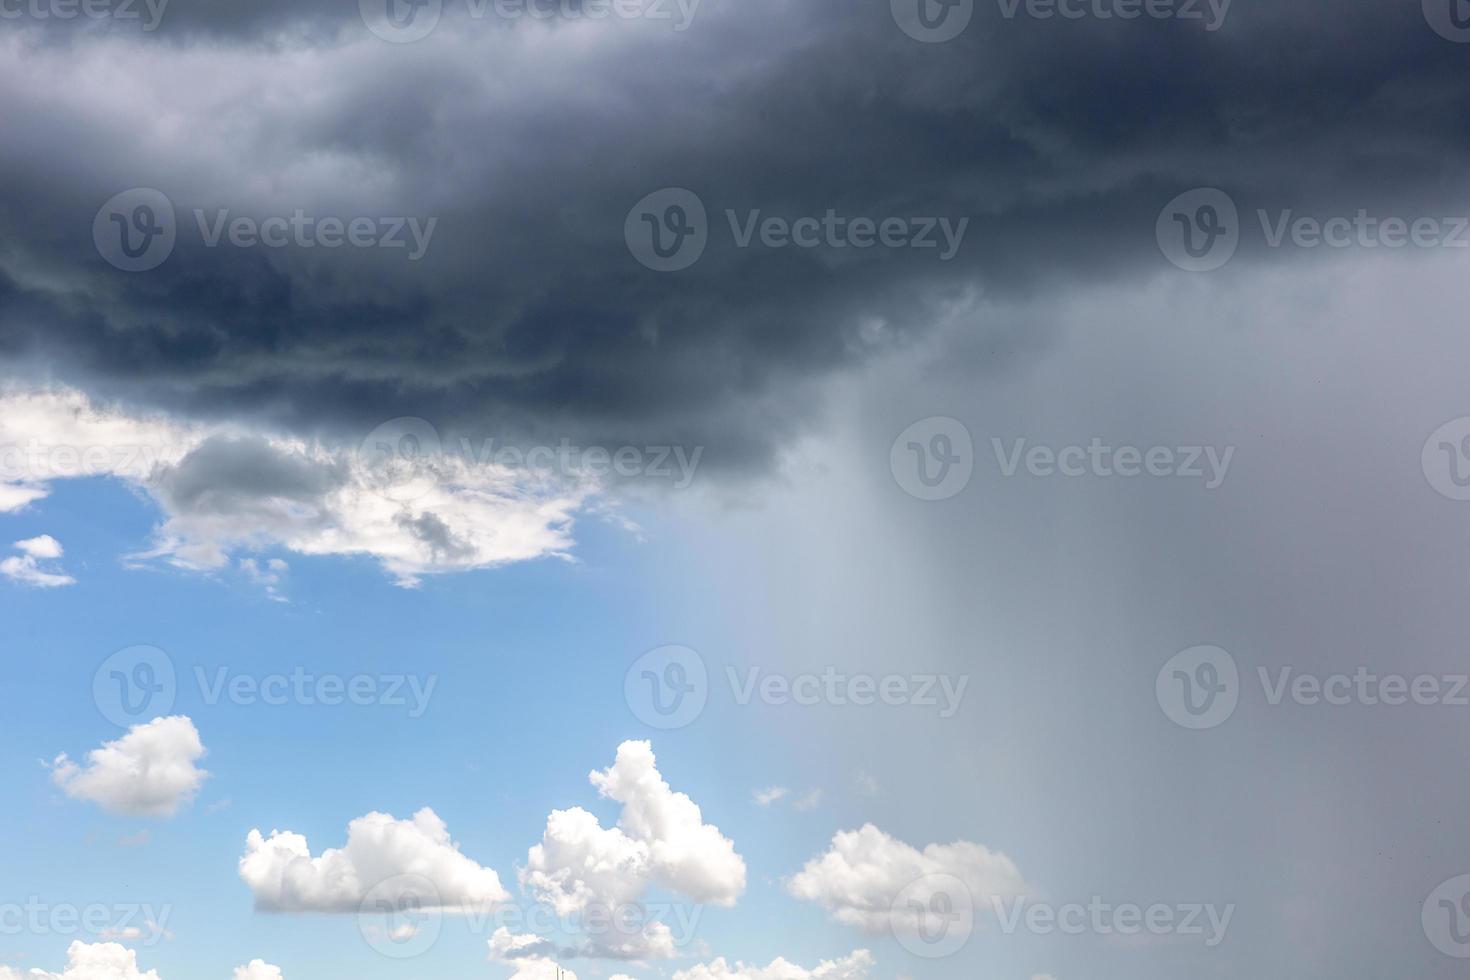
pixel 527 142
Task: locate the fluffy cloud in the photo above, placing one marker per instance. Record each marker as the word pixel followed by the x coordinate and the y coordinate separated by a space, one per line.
pixel 110 961
pixel 858 879
pixel 89 961
pixel 532 956
pixel 149 772
pixel 227 489
pixel 391 859
pixel 661 838
pixel 26 566
pixel 856 966
pixel 765 797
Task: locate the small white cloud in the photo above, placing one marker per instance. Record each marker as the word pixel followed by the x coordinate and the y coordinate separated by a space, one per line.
pixel 149 772
pixel 26 567
pixel 865 870
pixel 808 802
pixel 531 956
pixel 866 783
pixel 855 966
pixel 382 854
pixel 258 970
pixel 268 575
pixel 765 797
pixel 15 496
pixel 41 546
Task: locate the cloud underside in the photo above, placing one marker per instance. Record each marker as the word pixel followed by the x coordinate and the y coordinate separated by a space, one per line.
pixel 227 491
pixel 1060 139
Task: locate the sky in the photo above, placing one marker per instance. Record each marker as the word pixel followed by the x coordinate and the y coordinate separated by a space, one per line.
pixel 696 490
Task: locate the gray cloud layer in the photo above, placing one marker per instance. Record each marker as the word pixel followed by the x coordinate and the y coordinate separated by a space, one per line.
pixel 529 141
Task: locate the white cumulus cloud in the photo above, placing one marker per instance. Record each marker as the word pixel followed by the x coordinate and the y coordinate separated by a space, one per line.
pixel 390 858
pixel 149 772
pixel 865 870
pixel 661 838
pixel 858 965
pixel 89 961
pixel 258 970
pixel 26 567
pixel 227 490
